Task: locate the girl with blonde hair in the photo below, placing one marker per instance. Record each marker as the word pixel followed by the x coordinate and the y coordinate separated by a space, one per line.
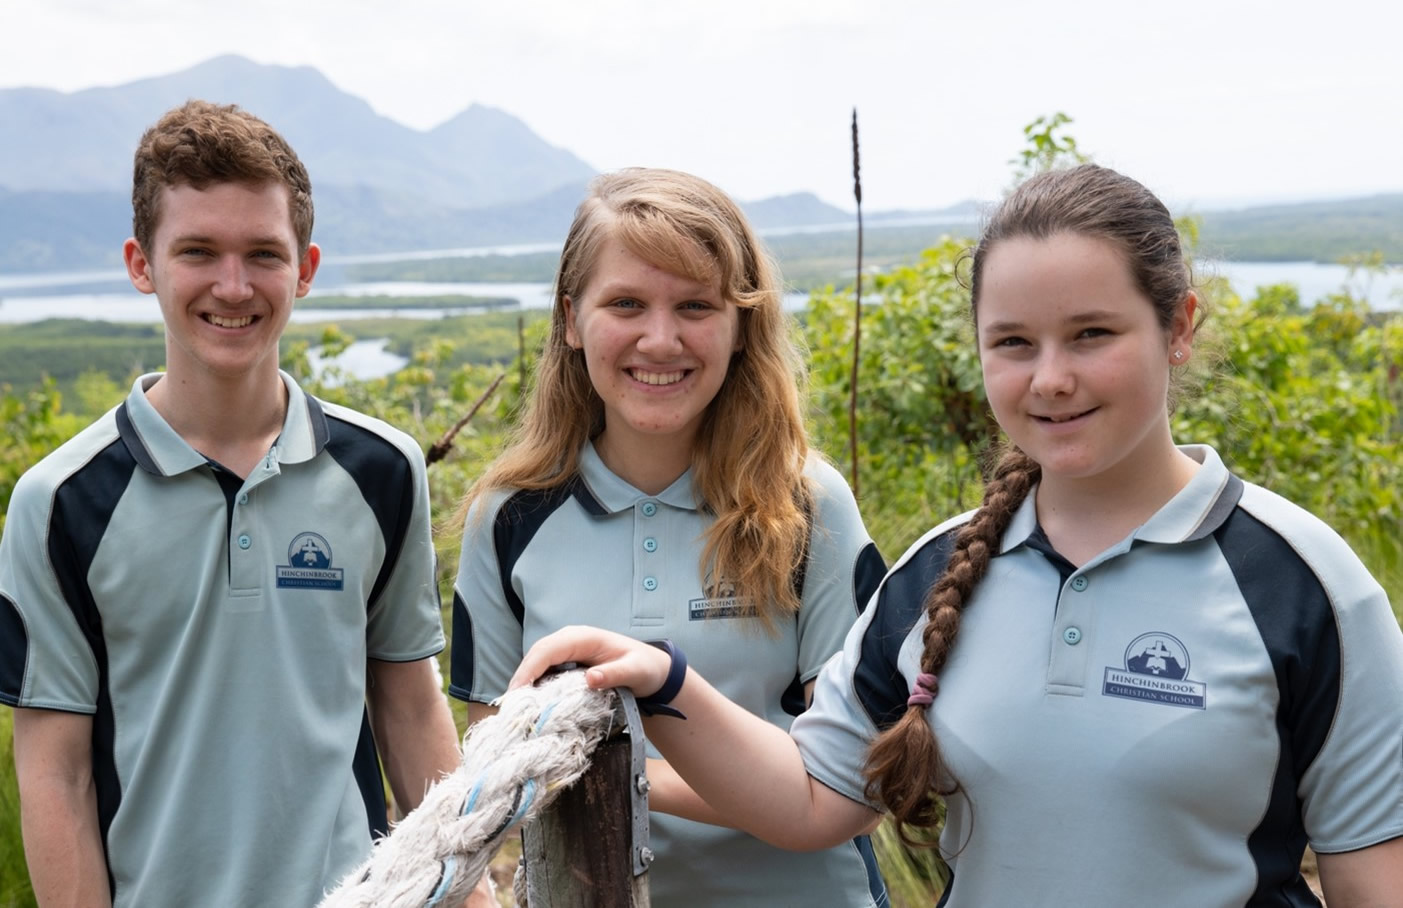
pixel 1129 674
pixel 661 485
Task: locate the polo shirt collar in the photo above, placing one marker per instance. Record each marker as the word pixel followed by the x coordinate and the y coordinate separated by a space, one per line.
pixel 610 494
pixel 1195 512
pixel 1200 507
pixel 159 449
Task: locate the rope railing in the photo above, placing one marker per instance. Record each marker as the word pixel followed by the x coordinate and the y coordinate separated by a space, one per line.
pixel 514 765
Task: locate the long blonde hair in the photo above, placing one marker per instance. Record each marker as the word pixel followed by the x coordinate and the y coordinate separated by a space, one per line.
pixel 749 454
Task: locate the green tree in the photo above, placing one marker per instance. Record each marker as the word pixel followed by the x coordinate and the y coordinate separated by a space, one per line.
pixel 922 417
pixel 34 424
pixel 1046 147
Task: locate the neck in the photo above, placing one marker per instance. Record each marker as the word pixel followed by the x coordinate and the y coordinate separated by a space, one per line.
pixel 1084 517
pixel 649 468
pixel 233 421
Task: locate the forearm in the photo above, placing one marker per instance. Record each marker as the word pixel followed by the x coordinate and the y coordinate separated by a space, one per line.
pixel 413 727
pixel 1368 878
pixel 58 809
pixel 669 793
pixel 63 847
pixel 741 771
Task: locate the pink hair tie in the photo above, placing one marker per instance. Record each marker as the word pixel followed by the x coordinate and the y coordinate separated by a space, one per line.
pixel 924 690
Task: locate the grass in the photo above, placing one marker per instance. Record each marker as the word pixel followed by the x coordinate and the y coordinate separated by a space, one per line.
pixel 1384 559
pixel 15 891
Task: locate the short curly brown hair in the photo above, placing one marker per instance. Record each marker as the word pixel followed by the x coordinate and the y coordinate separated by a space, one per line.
pixel 200 143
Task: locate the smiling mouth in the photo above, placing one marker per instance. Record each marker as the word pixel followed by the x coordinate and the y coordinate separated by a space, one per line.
pixel 657 378
pixel 220 321
pixel 1055 420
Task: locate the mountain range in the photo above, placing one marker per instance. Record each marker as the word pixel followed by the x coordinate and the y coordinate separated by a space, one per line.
pixel 482 177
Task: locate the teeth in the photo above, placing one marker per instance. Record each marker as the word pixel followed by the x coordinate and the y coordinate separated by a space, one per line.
pixel 657 378
pixel 220 321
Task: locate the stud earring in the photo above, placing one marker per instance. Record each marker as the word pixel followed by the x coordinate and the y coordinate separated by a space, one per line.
pixel 1178 355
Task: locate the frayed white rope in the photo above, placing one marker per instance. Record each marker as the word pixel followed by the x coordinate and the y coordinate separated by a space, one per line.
pixel 514 765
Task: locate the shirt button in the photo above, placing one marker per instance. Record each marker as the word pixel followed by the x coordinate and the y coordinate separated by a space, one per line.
pixel 244 541
pixel 1079 583
pixel 1072 636
pixel 650 544
pixel 650 583
pixel 243 498
pixel 649 508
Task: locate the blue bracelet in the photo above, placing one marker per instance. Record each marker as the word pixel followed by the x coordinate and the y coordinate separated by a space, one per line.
pixel 657 703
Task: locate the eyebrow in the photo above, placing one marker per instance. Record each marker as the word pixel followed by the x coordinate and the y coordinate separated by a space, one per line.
pixel 1081 318
pixel 271 240
pixel 692 290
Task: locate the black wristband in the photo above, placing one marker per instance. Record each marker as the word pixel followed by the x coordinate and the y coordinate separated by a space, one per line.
pixel 656 703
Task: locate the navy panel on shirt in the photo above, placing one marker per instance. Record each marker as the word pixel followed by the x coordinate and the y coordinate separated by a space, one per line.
pixel 877 681
pixel 369 779
pixel 83 507
pixel 516 525
pixel 461 665
pixel 385 480
pixel 867 576
pixel 14 652
pixel 1297 624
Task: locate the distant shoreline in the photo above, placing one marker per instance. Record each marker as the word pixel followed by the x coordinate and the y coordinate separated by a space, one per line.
pixel 387 302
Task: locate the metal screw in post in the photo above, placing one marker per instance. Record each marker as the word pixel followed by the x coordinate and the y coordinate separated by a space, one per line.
pixel 642 784
pixel 645 854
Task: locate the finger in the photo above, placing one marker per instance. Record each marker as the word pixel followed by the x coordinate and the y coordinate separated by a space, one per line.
pixel 614 660
pixel 579 644
pixel 642 668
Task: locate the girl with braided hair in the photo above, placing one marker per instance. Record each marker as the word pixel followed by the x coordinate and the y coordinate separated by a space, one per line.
pixel 1129 674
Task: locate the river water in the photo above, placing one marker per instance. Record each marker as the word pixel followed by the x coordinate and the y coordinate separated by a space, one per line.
pixel 107 296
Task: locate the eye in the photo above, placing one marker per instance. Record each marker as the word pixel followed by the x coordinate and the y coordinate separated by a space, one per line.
pixel 1089 333
pixel 696 306
pixel 195 251
pixel 626 302
pixel 1010 341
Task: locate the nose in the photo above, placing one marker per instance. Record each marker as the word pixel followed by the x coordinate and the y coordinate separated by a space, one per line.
pixel 1053 375
pixel 661 335
pixel 231 281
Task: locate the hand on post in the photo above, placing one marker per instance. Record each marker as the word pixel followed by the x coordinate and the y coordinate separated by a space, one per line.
pixel 613 660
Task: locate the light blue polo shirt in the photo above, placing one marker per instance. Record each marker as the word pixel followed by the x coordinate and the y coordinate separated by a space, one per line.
pixel 217 631
pixel 1169 723
pixel 598 551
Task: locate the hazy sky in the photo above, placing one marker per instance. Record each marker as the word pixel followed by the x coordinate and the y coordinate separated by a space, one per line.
pixel 1206 101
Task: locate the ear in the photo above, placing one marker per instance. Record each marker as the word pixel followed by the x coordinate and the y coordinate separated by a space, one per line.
pixel 307 269
pixel 1181 331
pixel 572 337
pixel 138 267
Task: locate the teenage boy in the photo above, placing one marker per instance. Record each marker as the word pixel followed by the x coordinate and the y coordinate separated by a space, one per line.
pixel 219 599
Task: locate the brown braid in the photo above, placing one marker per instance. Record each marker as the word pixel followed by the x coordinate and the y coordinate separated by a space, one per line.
pixel 904 765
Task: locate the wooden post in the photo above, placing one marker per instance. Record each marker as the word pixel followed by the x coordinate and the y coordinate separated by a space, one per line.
pixel 580 852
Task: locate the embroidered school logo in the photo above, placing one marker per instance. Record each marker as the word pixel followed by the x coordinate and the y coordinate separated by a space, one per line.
pixel 1156 670
pixel 719 601
pixel 309 565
